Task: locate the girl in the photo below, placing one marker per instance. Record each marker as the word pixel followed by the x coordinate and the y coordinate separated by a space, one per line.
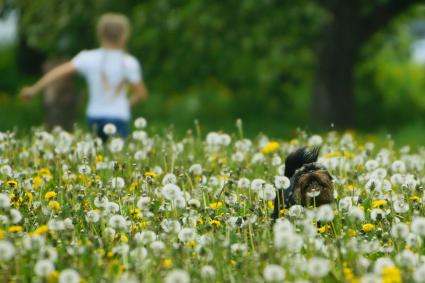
pixel 108 70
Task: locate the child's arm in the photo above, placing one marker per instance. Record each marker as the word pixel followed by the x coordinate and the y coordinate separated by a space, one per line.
pixel 139 93
pixel 50 77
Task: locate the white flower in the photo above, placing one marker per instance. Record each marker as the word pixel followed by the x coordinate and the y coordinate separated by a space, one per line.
pixel 187 234
pixel 273 273
pixel 15 216
pixel 140 155
pixel 238 156
pixel 145 237
pixel 418 226
pixel 69 276
pixel 84 169
pixel 117 222
pixel 276 160
pixel 157 246
pixel 171 192
pixel 116 145
pixel 315 140
pixel 140 123
pixel 207 272
pixel 7 250
pixel 371 165
pixel 117 183
pixel 142 202
pixel 281 182
pixel 238 248
pixel 267 192
pixel 44 267
pixel 257 184
pixel 169 178
pixel 407 258
pixel 399 230
pixel 177 276
pixel 196 169
pixel 398 166
pixel 171 226
pixel 243 183
pixel 109 129
pixel 257 158
pixel 4 201
pixel 92 216
pixel 325 213
pixel 400 206
pixel 56 225
pixel 101 201
pixel 318 267
pixel 382 263
pixel 419 274
pixel 111 207
pixel 345 203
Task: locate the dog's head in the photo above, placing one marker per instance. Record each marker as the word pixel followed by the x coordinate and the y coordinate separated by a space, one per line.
pixel 312 185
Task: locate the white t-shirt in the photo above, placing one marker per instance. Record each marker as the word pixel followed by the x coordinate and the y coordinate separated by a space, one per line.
pixel 106 72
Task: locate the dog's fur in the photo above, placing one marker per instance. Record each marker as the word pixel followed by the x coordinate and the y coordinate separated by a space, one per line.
pixel 306 176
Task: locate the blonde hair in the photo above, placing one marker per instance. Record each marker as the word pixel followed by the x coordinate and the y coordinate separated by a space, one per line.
pixel 113 28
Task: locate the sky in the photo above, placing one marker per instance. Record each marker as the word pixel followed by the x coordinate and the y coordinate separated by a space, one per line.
pixel 8 29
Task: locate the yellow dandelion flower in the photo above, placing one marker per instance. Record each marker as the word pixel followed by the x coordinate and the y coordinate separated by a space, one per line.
pixel 134 228
pixel 216 205
pixel 40 230
pixel 270 204
pixel 37 182
pixel 55 205
pixel 53 277
pixel 293 142
pixel 415 198
pixel 199 221
pixel 124 238
pixel 44 172
pixel 352 233
pixel 324 229
pixel 50 195
pixel 215 223
pixel 270 147
pixel 167 263
pixel 99 158
pixel 379 203
pixel 1 234
pixel 15 229
pixel 150 174
pixel 284 211
pixel 391 274
pixel 368 227
pixel 12 183
pixel 144 224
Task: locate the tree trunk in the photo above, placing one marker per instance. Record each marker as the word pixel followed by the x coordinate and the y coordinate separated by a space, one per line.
pixel 59 100
pixel 337 54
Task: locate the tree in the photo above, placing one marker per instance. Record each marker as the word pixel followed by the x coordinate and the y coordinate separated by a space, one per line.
pixel 351 24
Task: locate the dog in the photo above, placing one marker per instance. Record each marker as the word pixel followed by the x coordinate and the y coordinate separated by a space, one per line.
pixel 310 182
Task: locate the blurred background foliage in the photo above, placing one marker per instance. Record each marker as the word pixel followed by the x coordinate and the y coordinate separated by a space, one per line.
pixel 217 61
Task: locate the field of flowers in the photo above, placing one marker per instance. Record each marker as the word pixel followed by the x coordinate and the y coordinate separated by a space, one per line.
pixel 152 208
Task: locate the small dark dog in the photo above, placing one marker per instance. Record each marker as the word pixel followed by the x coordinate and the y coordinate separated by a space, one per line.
pixel 311 184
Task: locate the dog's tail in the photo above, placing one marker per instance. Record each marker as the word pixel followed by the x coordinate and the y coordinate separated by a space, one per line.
pixel 298 158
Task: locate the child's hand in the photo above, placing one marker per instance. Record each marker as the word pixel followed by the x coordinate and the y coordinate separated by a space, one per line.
pixel 27 93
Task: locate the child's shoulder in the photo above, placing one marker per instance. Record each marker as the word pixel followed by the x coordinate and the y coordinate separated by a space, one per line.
pixel 131 60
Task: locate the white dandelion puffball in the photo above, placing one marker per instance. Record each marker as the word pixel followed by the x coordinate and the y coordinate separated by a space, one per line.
pixel 171 192
pixel 325 213
pixel 207 272
pixel 315 140
pixel 140 123
pixel 143 202
pixel 117 183
pixel 84 169
pixel 44 267
pixel 92 216
pixel 318 267
pixel 177 276
pixel 418 226
pixel 69 276
pixel 196 169
pixel 117 222
pixel 169 178
pixel 7 250
pixel 267 193
pixel 273 273
pixel 110 129
pixel 187 234
pixel 281 182
pixel 4 201
pixel 116 145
